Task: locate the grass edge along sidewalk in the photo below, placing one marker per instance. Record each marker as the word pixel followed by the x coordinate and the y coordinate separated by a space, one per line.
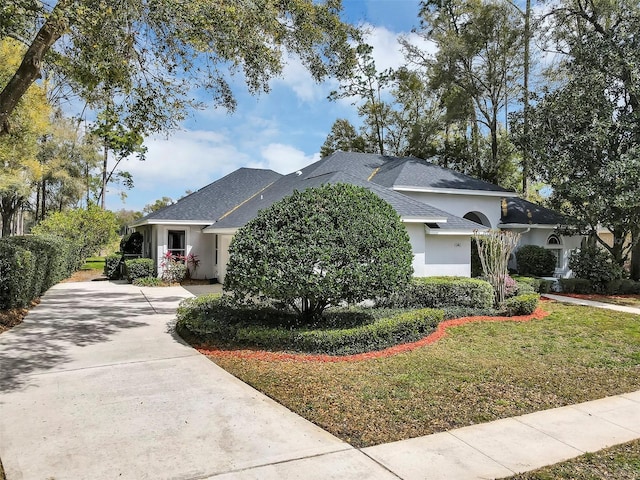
pixel 477 373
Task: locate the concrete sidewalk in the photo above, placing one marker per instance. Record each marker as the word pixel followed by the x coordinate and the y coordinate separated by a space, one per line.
pixel 94 384
pixel 591 303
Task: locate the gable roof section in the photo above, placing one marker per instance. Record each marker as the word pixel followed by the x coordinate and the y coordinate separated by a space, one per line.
pixel 410 210
pixel 404 173
pixel 211 202
pixel 523 212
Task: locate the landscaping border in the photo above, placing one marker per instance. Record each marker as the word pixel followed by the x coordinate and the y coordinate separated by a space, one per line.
pixel 439 333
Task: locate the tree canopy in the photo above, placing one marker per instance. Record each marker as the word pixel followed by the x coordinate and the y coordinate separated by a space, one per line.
pixel 326 245
pixel 150 55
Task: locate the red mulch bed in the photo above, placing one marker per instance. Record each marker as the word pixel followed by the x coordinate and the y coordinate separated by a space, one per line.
pixel 439 333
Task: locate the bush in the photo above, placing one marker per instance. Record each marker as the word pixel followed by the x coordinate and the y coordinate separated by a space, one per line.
pixel 521 304
pixel 132 243
pixel 51 260
pixel 213 320
pixel 139 268
pixel 596 265
pixel 575 285
pixel 324 246
pixel 442 292
pixel 148 282
pixel 88 229
pixel 17 266
pixel 622 286
pixel 174 270
pixel 523 287
pixel 535 260
pixel 112 266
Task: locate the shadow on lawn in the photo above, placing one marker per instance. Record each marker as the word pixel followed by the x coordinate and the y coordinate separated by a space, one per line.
pixel 67 317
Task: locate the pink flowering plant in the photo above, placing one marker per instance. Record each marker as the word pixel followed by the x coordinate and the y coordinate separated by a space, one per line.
pixel 175 268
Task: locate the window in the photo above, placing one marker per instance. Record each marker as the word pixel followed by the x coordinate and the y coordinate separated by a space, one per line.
pixel 176 242
pixel 555 245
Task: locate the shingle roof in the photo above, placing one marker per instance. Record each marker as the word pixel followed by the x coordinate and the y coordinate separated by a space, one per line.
pixel 406 207
pixel 523 212
pixel 394 172
pixel 211 202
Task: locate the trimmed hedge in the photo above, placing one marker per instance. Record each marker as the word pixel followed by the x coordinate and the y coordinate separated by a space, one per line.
pixel 623 286
pixel 139 268
pixel 148 282
pixel 442 292
pixel 575 285
pixel 535 260
pixel 30 265
pixel 112 266
pixel 211 320
pixel 524 304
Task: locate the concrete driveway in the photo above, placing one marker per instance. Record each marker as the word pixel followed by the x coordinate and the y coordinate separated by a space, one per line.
pixel 94 386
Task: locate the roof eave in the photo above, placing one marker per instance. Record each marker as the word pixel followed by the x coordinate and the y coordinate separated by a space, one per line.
pixel 453 191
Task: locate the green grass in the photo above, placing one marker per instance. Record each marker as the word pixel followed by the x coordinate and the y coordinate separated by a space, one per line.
pixel 94 263
pixel 621 462
pixel 478 373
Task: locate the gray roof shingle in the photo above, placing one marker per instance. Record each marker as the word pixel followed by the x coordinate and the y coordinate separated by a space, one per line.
pixel 520 211
pixel 211 202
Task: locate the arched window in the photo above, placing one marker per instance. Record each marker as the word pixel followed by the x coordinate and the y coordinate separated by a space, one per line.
pixel 554 240
pixel 554 244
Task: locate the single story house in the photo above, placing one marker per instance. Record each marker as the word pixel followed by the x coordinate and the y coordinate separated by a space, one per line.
pixel 441 209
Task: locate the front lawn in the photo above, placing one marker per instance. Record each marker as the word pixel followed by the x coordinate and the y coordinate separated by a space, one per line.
pixel 477 373
pixel 93 263
pixel 621 462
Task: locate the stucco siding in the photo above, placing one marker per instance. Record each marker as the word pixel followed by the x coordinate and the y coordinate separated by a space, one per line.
pixel 447 256
pixel 460 205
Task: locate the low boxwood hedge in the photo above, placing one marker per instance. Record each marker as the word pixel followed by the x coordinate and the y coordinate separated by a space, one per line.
pixel 442 292
pixel 112 266
pixel 524 304
pixel 139 268
pixel 211 320
pixel 575 285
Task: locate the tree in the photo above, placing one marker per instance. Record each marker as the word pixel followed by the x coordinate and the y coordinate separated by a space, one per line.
pixel 19 167
pixel 91 228
pixel 67 159
pixel 326 245
pixel 585 133
pixel 367 84
pixel 157 205
pixel 122 141
pixel 343 136
pixel 151 55
pixel 494 249
pixel 477 67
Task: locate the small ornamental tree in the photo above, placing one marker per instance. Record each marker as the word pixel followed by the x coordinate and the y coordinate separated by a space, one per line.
pixel 495 248
pixel 327 245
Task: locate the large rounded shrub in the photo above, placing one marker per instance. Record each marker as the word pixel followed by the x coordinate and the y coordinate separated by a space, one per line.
pixel 535 260
pixel 596 265
pixel 321 247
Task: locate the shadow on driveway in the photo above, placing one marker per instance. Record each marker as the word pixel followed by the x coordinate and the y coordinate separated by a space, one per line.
pixel 69 316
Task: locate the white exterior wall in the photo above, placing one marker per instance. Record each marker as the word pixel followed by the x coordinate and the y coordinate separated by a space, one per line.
pixel 439 255
pixel 460 205
pixel 448 255
pixel 224 240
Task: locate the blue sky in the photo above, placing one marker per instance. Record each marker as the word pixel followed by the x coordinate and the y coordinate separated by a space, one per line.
pixel 282 130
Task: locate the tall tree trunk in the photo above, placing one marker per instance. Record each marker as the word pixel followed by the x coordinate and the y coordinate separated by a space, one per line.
pixel 43 209
pixel 29 70
pixel 525 101
pixel 635 254
pixel 37 202
pixel 103 193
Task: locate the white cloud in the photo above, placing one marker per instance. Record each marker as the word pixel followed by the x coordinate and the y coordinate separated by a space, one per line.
pixel 283 158
pixel 184 157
